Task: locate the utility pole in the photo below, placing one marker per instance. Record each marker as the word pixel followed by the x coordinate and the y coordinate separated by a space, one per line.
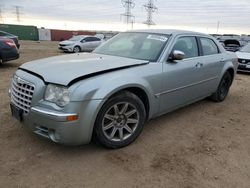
pixel 17 12
pixel 150 8
pixel 218 27
pixel 128 5
pixel 1 17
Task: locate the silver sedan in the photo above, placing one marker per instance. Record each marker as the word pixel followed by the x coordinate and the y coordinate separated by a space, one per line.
pixel 108 95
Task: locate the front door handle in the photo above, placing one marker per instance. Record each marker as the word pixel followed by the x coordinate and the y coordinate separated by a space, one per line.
pixel 199 65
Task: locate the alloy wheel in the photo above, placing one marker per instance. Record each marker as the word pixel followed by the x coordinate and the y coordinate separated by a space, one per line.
pixel 120 121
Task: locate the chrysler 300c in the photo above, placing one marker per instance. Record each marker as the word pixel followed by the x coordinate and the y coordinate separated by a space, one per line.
pixel 108 95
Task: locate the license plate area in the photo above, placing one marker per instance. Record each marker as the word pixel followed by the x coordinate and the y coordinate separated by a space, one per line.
pixel 242 66
pixel 16 112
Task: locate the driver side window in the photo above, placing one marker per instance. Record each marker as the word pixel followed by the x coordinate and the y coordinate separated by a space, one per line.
pixel 188 45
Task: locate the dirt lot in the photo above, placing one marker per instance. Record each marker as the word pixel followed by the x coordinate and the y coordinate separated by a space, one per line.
pixel 203 145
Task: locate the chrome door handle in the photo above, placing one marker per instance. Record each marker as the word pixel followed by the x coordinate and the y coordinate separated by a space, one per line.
pixel 199 65
pixel 222 60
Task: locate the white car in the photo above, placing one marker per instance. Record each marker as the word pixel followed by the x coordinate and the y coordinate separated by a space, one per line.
pixel 80 43
pixel 244 59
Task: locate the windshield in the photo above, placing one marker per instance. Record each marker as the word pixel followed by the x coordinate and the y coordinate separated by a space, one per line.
pixel 75 38
pixel 142 46
pixel 246 48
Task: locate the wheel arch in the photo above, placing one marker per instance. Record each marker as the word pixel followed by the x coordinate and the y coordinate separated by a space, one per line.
pixel 232 73
pixel 78 47
pixel 139 92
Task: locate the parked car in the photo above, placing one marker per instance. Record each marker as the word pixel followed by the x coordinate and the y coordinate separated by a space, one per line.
pixel 80 43
pixel 244 58
pixel 4 34
pixel 8 50
pixel 108 95
pixel 231 45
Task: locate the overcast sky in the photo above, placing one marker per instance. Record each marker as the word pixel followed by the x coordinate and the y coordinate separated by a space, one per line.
pixel 232 14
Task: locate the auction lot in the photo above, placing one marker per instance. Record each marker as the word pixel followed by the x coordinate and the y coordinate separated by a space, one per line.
pixel 203 145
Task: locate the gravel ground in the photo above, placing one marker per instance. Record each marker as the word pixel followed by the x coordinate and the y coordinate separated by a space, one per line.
pixel 203 145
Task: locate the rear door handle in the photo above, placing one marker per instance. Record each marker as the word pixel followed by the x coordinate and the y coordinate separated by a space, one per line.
pixel 199 65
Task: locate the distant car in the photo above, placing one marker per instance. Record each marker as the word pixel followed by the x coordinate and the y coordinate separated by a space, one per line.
pixel 232 45
pixel 4 34
pixel 108 95
pixel 244 59
pixel 8 50
pixel 80 43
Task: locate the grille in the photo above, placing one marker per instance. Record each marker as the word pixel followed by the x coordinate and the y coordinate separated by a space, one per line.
pixel 21 93
pixel 244 61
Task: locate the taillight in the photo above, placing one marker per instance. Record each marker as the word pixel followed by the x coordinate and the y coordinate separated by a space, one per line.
pixel 10 43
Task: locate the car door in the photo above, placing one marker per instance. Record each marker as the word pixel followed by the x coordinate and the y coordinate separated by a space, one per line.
pixel 96 42
pixel 86 44
pixel 212 63
pixel 181 79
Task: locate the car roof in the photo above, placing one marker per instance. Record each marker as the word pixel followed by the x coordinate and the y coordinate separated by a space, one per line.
pixel 168 31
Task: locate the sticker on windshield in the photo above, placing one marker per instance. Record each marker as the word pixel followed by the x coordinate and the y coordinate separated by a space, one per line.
pixel 157 37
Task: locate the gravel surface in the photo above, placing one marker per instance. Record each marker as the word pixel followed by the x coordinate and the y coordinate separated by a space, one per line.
pixel 202 145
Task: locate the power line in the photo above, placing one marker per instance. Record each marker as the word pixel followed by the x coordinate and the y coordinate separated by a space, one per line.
pixel 1 17
pixel 17 12
pixel 150 8
pixel 128 5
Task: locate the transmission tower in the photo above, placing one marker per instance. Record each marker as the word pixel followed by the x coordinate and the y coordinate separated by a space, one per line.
pixel 128 5
pixel 1 17
pixel 150 8
pixel 17 12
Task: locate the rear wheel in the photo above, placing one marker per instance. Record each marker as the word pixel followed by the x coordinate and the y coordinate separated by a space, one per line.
pixel 76 49
pixel 120 121
pixel 223 88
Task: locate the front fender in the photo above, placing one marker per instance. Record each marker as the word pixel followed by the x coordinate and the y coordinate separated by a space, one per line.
pixel 231 62
pixel 101 87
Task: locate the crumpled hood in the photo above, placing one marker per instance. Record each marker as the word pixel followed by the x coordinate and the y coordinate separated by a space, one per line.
pixel 66 68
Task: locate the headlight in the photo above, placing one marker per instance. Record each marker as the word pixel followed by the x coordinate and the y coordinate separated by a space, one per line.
pixel 57 94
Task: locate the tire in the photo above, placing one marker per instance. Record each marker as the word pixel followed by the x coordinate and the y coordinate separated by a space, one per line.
pixel 223 89
pixel 76 49
pixel 120 121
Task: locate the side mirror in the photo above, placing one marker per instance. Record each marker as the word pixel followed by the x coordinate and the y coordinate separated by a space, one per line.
pixel 176 55
pixel 83 41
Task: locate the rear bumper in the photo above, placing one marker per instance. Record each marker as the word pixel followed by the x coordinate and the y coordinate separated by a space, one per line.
pixel 9 54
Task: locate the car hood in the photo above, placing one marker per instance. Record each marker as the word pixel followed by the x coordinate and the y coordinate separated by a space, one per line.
pixel 67 69
pixel 243 55
pixel 67 42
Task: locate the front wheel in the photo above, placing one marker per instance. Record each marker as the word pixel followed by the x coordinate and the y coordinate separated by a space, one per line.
pixel 223 89
pixel 120 120
pixel 76 49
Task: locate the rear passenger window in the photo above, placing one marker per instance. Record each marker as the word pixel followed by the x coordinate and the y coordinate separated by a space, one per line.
pixel 188 45
pixel 96 39
pixel 92 39
pixel 209 47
